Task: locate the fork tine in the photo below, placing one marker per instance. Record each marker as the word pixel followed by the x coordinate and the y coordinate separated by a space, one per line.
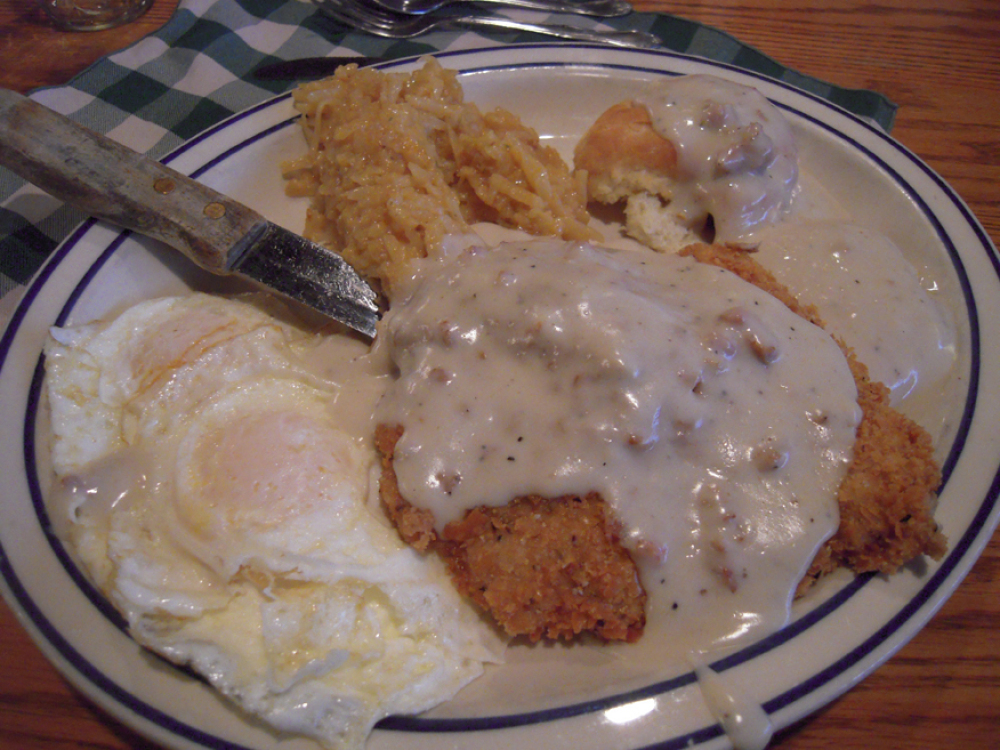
pixel 367 12
pixel 375 20
pixel 350 15
pixel 332 10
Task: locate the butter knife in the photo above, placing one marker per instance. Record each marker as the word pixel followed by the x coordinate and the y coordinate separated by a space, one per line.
pixel 119 185
pixel 310 68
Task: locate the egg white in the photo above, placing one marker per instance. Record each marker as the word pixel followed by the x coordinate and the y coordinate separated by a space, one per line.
pixel 210 492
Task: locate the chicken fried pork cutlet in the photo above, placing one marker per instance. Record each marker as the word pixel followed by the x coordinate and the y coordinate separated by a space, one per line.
pixel 557 564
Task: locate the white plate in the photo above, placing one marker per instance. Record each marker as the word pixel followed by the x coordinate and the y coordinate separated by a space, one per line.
pixel 544 697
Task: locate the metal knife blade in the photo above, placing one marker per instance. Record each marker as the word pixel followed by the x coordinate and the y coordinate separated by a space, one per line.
pixel 221 235
pixel 290 264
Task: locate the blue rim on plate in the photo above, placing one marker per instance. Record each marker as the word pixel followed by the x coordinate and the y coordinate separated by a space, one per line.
pixel 873 147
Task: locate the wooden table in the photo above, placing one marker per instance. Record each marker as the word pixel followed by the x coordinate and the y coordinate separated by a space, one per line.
pixel 941 63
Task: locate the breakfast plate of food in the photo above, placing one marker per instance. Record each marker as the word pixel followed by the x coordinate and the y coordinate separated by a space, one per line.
pixel 671 432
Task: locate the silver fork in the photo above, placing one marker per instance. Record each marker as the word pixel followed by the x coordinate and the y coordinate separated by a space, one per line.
pixel 598 8
pixel 380 22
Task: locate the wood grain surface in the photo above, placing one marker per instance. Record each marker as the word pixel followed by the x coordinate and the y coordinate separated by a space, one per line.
pixel 940 61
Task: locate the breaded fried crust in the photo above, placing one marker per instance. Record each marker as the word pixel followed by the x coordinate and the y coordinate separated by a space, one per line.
pixel 542 567
pixel 886 499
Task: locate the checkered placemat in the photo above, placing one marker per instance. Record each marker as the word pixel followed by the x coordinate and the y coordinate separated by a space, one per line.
pixel 197 70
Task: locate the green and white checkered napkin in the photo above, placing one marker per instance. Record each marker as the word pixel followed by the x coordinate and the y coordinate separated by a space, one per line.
pixel 197 70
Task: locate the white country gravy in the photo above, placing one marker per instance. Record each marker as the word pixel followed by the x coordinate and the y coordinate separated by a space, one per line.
pixel 745 722
pixel 717 423
pixel 867 293
pixel 736 156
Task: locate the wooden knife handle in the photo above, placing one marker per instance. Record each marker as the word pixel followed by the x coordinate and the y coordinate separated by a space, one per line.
pixel 115 183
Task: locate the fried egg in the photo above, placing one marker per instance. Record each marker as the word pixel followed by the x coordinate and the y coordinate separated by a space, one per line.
pixel 209 489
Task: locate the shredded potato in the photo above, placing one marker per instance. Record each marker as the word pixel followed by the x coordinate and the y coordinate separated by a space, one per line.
pixel 398 161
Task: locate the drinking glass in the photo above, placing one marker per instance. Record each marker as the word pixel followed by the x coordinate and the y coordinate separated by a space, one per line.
pixel 93 15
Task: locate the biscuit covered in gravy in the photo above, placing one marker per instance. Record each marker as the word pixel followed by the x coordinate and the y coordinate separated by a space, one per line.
pixel 694 157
